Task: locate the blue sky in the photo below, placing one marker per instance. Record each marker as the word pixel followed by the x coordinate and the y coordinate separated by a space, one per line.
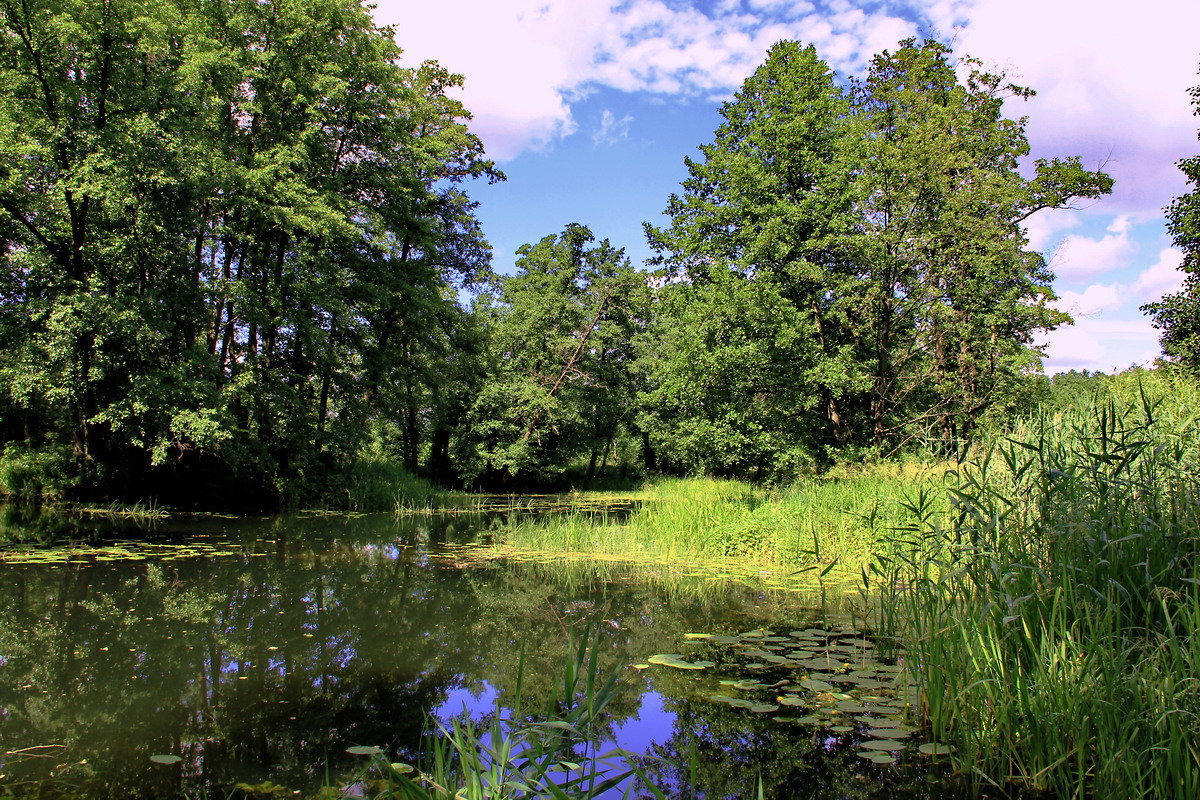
pixel 590 106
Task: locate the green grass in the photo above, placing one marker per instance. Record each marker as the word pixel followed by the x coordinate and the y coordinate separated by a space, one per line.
pixel 378 484
pixel 821 521
pixel 1052 616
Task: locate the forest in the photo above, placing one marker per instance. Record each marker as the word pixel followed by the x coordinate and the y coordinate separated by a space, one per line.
pixel 291 471
pixel 241 266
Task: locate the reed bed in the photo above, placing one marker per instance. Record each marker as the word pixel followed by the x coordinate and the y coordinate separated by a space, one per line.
pixel 518 755
pixel 1051 617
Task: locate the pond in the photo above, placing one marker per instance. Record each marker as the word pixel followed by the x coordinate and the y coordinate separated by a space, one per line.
pixel 260 649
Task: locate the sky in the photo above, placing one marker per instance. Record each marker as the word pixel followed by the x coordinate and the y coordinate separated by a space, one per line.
pixel 590 106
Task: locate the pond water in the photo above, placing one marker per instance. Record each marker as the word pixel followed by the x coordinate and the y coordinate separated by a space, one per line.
pixel 261 649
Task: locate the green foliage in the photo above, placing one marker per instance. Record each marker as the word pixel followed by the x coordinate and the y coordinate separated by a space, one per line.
pixel 559 336
pixel 34 475
pixel 841 519
pixel 227 233
pixel 846 268
pixel 1178 315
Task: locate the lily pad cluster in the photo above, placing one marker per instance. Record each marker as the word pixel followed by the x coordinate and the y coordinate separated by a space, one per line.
pixel 120 551
pixel 827 679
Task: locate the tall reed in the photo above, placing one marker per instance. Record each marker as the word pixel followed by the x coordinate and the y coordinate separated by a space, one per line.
pixel 818 521
pixel 1051 618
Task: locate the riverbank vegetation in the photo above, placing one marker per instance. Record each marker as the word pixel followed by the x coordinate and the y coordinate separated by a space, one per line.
pixel 241 267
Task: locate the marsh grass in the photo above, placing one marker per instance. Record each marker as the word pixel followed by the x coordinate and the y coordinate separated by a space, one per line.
pixel 818 522
pixel 1051 617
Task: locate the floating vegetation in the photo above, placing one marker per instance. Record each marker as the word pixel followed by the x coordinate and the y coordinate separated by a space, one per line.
pixel 833 674
pixel 122 551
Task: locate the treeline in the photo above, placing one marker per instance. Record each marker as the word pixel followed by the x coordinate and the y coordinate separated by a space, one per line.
pixel 239 265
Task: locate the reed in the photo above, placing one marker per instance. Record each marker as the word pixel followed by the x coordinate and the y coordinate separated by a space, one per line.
pixel 1051 617
pixel 551 754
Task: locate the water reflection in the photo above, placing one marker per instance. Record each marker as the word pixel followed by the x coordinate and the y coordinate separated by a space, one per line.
pixel 312 634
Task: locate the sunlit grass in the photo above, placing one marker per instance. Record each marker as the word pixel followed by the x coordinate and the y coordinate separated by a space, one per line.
pixel 818 522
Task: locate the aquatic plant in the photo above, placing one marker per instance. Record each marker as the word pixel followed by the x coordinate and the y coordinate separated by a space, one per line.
pixel 1055 614
pixel 552 754
pixel 817 521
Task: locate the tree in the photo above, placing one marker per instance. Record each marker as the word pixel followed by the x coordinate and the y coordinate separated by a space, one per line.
pixel 1177 315
pixel 881 227
pixel 757 305
pixel 559 337
pixel 226 225
pixel 954 297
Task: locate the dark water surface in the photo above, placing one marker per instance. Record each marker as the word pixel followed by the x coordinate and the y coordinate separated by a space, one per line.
pixel 260 649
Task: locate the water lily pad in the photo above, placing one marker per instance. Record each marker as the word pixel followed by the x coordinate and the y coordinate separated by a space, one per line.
pixel 805 720
pixel 882 744
pixel 888 733
pixel 364 750
pixel 164 758
pixel 677 661
pixel 763 708
pixel 882 722
pixel 842 728
pixel 935 749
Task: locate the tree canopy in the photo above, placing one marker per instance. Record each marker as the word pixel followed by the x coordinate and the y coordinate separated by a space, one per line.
pixel 1177 315
pixel 226 233
pixel 238 256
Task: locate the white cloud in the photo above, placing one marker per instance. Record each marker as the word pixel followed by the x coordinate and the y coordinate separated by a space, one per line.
pixel 612 129
pixel 1112 84
pixel 1043 228
pixel 1111 79
pixel 1161 278
pixel 1092 301
pixel 1101 344
pixel 1083 257
pixel 525 61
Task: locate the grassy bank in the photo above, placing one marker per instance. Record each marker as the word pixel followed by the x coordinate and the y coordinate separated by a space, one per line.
pixel 839 518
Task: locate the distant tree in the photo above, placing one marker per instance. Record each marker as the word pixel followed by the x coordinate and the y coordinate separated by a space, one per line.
pixel 558 338
pixel 1177 315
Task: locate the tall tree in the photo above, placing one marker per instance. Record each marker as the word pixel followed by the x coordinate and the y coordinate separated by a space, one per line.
pixel 559 344
pixel 223 222
pixel 954 297
pixel 1177 315
pixel 760 291
pixel 881 227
